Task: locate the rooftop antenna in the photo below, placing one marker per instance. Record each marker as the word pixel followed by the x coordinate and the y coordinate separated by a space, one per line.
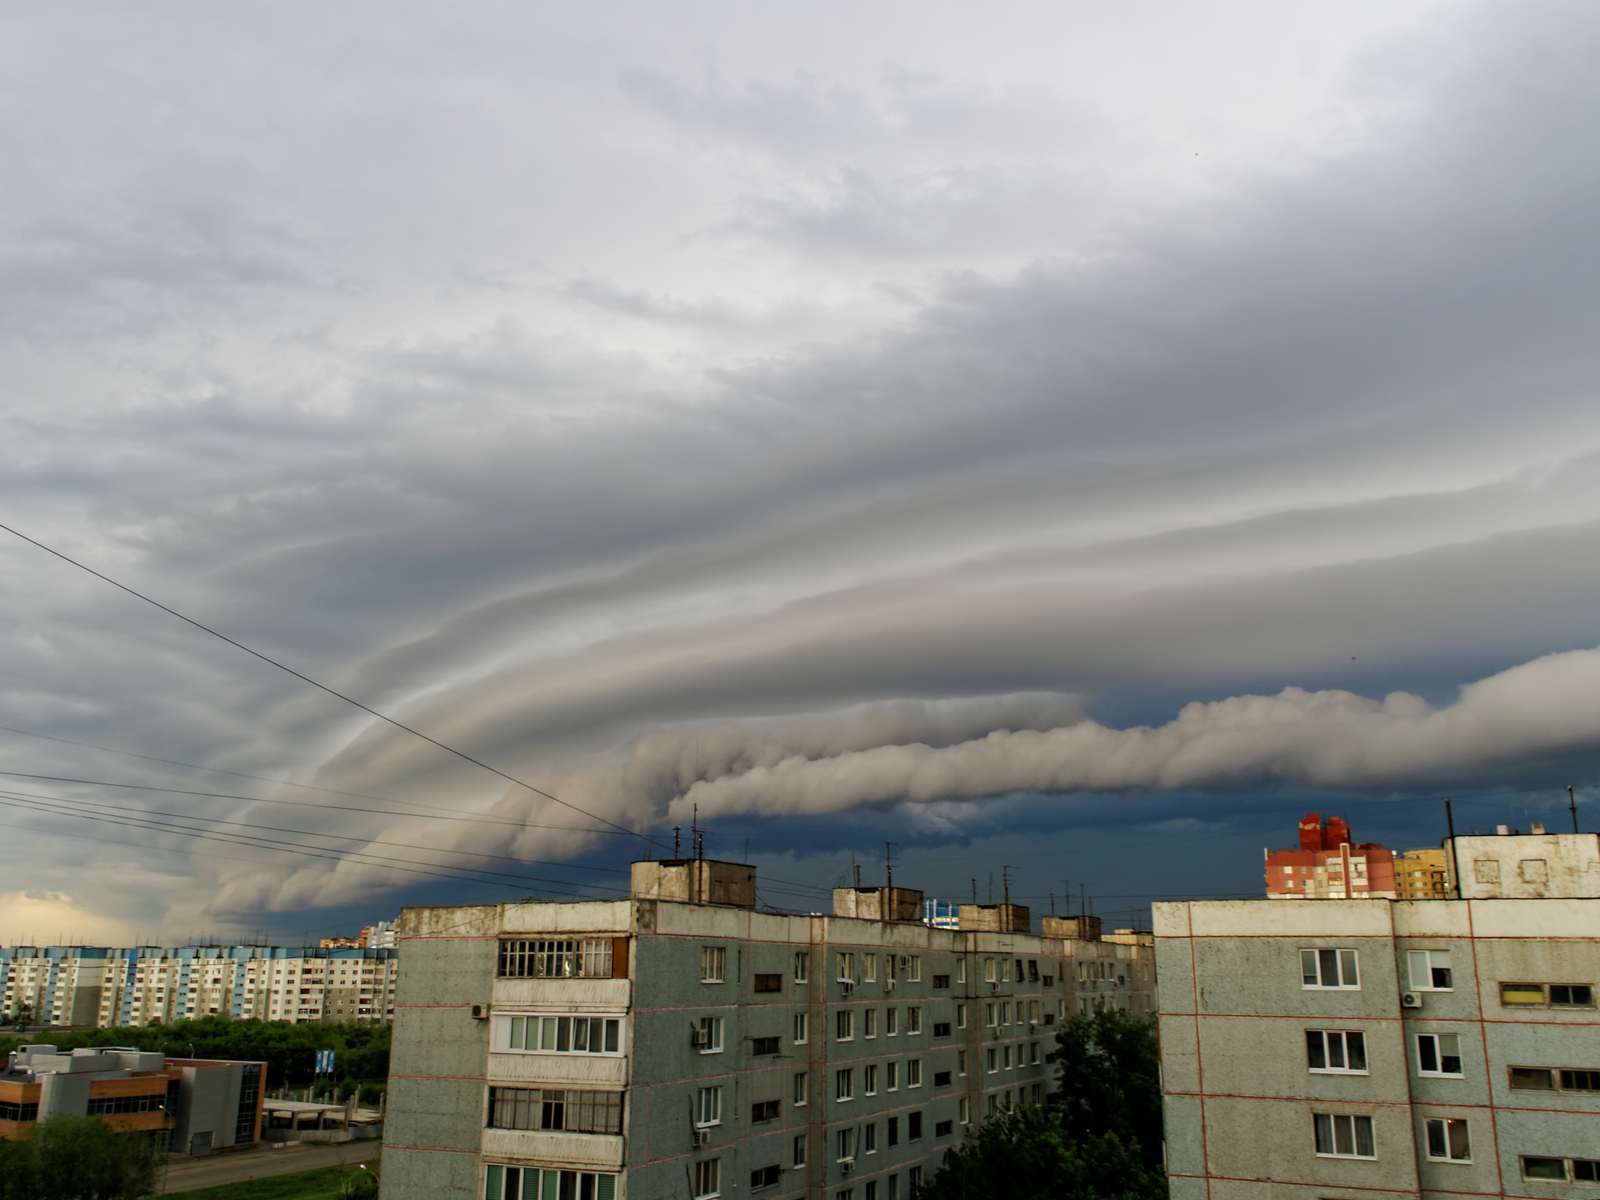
pixel 1052 904
pixel 1573 805
pixel 1005 882
pixel 974 891
pixel 856 867
pixel 888 863
pixel 675 853
pixel 1067 898
pixel 1083 901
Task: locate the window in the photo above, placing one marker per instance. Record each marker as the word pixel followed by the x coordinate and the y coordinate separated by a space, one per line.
pixel 1555 995
pixel 964 1111
pixel 914 969
pixel 522 1183
pixel 961 1062
pixel 1549 1079
pixel 941 981
pixel 707 1178
pixel 847 967
pixel 870 1022
pixel 1033 1012
pixel 992 1057
pixel 1448 1140
pixel 713 961
pixel 913 1019
pixel 1328 969
pixel 961 1016
pixel 845 1024
pixel 1341 1136
pixel 1005 1057
pixel 844 1145
pixel 869 1139
pixel 769 983
pixel 708 1107
pixel 800 1029
pixel 555 1109
pixel 843 1084
pixel 765 1177
pixel 913 1126
pixel 944 1129
pixel 989 1015
pixel 587 958
pixel 869 968
pixel 961 971
pixel 893 1128
pixel 1033 1053
pixel 800 1150
pixel 1430 970
pixel 559 1035
pixel 891 1076
pixel 766 1045
pixel 941 1029
pixel 989 975
pixel 845 1194
pixel 766 1110
pixel 869 1079
pixel 941 1079
pixel 1333 1051
pixel 709 1039
pixel 802 966
pixel 1579 1170
pixel 1440 1054
pixel 1033 970
pixel 799 1088
pixel 914 1073
pixel 891 1021
pixel 1005 1013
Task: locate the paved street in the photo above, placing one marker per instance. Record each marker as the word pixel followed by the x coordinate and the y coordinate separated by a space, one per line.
pixel 185 1175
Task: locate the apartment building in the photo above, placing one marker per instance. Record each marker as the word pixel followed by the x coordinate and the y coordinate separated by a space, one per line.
pixel 1359 1049
pixel 196 1106
pixel 1328 866
pixel 1421 875
pixel 682 1044
pixel 144 985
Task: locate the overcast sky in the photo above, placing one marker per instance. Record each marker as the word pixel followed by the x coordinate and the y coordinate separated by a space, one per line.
pixel 1070 436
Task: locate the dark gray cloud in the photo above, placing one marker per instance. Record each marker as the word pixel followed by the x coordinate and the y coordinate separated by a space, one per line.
pixel 644 405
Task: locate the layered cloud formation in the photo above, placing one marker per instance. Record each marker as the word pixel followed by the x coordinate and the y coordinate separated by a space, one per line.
pixel 790 414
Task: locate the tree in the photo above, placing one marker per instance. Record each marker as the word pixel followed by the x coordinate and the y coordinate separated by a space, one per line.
pixel 77 1158
pixel 1110 1080
pixel 1026 1155
pixel 22 1014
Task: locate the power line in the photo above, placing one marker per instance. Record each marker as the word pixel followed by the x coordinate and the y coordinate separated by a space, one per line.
pixel 465 757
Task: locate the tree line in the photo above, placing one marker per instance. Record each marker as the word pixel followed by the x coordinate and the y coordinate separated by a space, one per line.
pixel 1101 1139
pixel 361 1051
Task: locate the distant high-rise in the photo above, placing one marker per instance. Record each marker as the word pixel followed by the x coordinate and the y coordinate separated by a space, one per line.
pixel 1328 867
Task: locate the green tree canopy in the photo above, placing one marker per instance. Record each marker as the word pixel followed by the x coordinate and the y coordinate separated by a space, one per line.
pixel 77 1158
pixel 1026 1155
pixel 1108 1065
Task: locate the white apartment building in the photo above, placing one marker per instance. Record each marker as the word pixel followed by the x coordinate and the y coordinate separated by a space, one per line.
pixel 144 985
pixel 1369 1049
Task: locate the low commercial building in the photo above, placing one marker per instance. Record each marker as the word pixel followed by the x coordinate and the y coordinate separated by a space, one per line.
pixel 681 1043
pixel 97 986
pixel 196 1106
pixel 1360 1049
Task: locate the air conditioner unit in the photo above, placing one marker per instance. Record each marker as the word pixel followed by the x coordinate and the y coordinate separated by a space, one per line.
pixel 702 1137
pixel 847 986
pixel 1410 999
pixel 701 1039
pixel 888 985
pixel 846 1165
pixel 479 1012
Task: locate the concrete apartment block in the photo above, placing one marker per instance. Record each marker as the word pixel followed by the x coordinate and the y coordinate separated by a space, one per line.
pixel 143 985
pixel 663 1047
pixel 1358 1049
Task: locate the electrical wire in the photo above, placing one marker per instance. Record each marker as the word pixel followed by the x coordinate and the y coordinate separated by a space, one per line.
pixel 465 757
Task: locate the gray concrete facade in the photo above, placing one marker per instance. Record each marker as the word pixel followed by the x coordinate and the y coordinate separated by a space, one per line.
pixel 1460 1056
pixel 754 1052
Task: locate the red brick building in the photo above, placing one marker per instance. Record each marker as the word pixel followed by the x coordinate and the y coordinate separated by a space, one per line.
pixel 1329 867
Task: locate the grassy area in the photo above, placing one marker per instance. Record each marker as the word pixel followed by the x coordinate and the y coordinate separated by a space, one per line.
pixel 322 1184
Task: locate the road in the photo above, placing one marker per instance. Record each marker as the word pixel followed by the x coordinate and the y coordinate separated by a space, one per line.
pixel 188 1175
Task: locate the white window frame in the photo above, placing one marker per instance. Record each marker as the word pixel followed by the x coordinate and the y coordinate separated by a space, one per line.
pixel 961 970
pixel 891 1076
pixel 913 1072
pixel 707 1179
pixel 800 1147
pixel 1439 1056
pixel 869 1079
pixel 844 1145
pixel 1437 1133
pixel 1328 1042
pixel 914 974
pixel 869 1023
pixel 504 1033
pixel 961 1016
pixel 845 961
pixel 1314 963
pixel 801 1089
pixel 713 1026
pixel 869 1138
pixel 802 966
pixel 1423 968
pixel 713 964
pixel 708 1106
pixel 1335 1122
pixel 844 1084
pixel 802 1028
pixel 869 968
pixel 891 1022
pixel 913 1019
pixel 844 1025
